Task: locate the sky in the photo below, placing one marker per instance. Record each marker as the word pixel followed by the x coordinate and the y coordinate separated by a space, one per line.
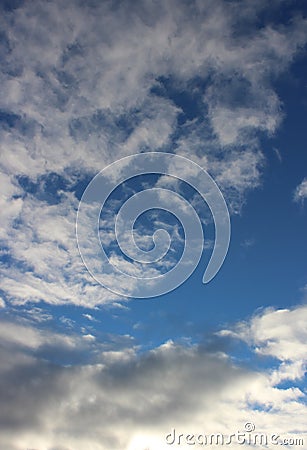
pixel 215 91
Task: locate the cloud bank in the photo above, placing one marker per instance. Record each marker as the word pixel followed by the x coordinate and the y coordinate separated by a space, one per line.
pixel 126 398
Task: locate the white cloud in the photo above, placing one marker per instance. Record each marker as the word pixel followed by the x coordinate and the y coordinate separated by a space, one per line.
pixel 10 203
pixel 301 191
pixel 78 82
pixel 86 66
pixel 90 317
pixel 47 265
pixel 123 399
pixel 280 334
pixel 83 85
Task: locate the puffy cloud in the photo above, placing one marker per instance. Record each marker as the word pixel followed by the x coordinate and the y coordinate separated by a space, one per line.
pixel 81 86
pixel 280 334
pixel 86 83
pixel 128 399
pixel 44 263
pixel 10 202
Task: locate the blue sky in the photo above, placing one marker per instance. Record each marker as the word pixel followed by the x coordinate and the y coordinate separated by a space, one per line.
pixel 84 84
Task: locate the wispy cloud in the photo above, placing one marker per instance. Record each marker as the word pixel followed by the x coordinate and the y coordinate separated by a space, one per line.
pixel 301 191
pixel 85 84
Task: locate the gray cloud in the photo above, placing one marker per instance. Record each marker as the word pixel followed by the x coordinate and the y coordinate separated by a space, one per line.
pixel 124 398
